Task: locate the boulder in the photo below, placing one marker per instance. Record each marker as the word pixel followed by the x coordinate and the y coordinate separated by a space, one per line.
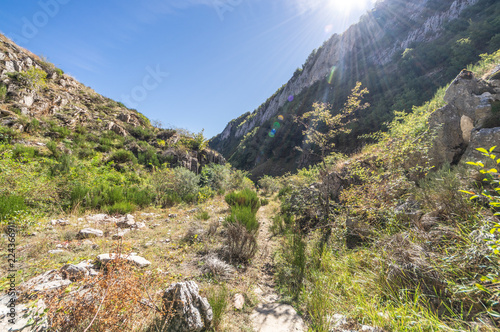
pixel 46 282
pixel 129 222
pixel 74 272
pixel 89 233
pixel 134 259
pixel 187 309
pixel 483 138
pixel 468 110
pixel 96 218
pixel 29 317
pixel 59 222
pixel 238 301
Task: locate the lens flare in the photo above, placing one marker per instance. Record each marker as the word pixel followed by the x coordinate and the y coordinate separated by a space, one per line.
pixel 271 134
pixel 281 117
pixel 330 78
pixel 290 98
pixel 276 125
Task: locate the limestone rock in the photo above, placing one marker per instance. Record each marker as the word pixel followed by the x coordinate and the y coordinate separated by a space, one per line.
pixel 74 272
pixel 238 301
pixel 89 233
pixel 483 138
pixel 48 281
pixel 129 222
pixel 137 260
pixel 57 251
pixel 190 312
pixel 59 222
pixel 120 234
pixel 29 317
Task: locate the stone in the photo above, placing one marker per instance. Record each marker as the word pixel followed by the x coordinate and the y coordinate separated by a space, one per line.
pixel 89 233
pixel 96 218
pixel 59 222
pixel 129 222
pixel 120 234
pixel 172 215
pixel 137 260
pixel 276 317
pixel 187 309
pixel 29 316
pixel 74 272
pixel 2 56
pixel 48 281
pixel 484 138
pixel 9 67
pixel 57 251
pixel 238 301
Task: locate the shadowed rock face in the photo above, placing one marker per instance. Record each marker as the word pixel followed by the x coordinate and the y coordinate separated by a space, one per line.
pixel 468 121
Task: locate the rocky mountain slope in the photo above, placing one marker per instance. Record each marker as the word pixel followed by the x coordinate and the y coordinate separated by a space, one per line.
pixel 38 99
pixel 401 51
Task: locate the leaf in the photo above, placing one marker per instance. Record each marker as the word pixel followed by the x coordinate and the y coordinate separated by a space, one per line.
pixel 473 197
pixel 472 163
pixel 493 148
pixel 481 287
pixel 493 170
pixel 467 192
pixel 482 150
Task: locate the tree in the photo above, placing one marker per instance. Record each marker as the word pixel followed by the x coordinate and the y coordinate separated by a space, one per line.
pixel 322 126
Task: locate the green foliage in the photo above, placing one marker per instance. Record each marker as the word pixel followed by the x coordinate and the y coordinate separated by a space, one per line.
pixel 175 185
pixel 202 215
pixel 142 133
pixel 122 156
pixel 10 205
pixel 3 91
pixel 217 177
pixel 34 78
pixel 244 216
pixel 244 198
pixel 269 185
pixel 122 207
pixel 218 298
pixel 264 201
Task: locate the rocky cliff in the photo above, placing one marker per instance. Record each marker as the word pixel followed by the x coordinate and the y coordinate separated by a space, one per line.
pixel 393 50
pixel 36 98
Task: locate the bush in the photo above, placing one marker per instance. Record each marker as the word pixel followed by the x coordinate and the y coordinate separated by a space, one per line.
pixel 122 207
pixel 202 215
pixel 122 156
pixel 241 245
pixel 10 204
pixel 269 185
pixel 34 78
pixel 216 176
pixel 3 92
pixel 218 300
pixel 246 197
pixel 244 216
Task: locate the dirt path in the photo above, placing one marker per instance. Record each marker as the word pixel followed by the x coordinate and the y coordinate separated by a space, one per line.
pixel 270 315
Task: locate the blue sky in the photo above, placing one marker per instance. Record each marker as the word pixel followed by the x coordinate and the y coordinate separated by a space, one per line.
pixel 193 64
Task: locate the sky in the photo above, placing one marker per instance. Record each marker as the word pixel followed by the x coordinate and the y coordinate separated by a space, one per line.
pixel 192 64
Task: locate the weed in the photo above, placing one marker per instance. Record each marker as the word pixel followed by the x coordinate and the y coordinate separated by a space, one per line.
pixel 218 299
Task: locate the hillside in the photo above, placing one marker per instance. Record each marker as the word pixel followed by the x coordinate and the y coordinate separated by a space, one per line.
pixel 402 52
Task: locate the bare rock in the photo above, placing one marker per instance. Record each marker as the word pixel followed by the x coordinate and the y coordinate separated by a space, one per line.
pixel 57 251
pixel 74 272
pixel 89 233
pixel 189 311
pixel 97 218
pixel 483 138
pixel 238 301
pixel 59 222
pixel 120 234
pixel 129 222
pixel 28 317
pixel 136 260
pixel 46 282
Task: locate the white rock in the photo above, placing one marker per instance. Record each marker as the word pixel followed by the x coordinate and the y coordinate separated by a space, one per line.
pixel 59 222
pixel 137 260
pixel 56 251
pixel 89 232
pixel 238 301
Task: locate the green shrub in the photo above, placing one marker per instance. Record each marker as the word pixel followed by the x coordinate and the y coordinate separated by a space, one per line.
pixel 218 298
pixel 217 177
pixel 10 204
pixel 269 185
pixel 34 78
pixel 245 216
pixel 264 201
pixel 22 151
pixel 120 208
pixel 205 193
pixel 245 197
pixel 202 215
pixel 149 157
pixel 3 92
pixel 122 156
pixel 141 133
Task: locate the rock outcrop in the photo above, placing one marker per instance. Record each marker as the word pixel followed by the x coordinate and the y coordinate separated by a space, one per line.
pixel 189 311
pixel 468 121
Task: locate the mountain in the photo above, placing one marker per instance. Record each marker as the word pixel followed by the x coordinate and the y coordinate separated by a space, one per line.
pixel 401 51
pixel 38 99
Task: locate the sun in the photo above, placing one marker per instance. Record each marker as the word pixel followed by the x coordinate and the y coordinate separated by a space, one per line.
pixel 346 6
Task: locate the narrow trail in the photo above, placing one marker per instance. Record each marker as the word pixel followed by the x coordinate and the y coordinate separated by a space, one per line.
pixel 271 315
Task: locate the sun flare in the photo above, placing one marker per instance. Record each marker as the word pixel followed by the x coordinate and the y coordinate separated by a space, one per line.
pixel 346 6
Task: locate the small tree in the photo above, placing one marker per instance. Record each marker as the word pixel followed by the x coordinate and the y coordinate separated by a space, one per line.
pixel 321 128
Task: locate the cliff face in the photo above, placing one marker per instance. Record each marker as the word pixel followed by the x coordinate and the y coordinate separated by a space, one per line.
pixel 373 44
pixel 33 89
